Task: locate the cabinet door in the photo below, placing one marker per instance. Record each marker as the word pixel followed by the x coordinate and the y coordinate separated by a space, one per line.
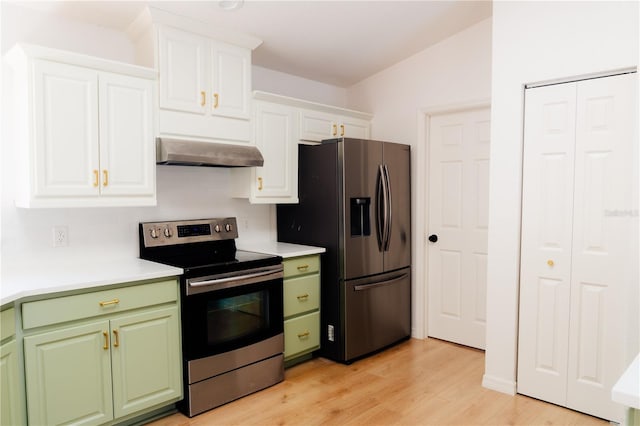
pixel 126 135
pixel 10 398
pixel 147 367
pixel 66 130
pixel 274 138
pixel 182 63
pixel 316 126
pixel 230 80
pixel 354 128
pixel 68 376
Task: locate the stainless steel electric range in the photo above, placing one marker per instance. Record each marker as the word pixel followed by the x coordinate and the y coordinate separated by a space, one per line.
pixel 231 309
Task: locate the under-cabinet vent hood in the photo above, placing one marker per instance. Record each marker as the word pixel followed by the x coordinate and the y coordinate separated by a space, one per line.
pixel 183 152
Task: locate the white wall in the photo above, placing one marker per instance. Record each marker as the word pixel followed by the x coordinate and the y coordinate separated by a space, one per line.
pixel 183 192
pixel 297 87
pixel 532 42
pixel 454 71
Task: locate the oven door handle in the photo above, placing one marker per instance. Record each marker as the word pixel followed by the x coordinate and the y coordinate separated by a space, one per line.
pixel 235 281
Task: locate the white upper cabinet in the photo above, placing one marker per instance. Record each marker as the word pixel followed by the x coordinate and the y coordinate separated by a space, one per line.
pixel 318 125
pixel 277 180
pixel 84 130
pixel 202 76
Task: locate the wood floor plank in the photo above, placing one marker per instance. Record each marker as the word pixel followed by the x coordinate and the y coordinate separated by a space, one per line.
pixel 418 382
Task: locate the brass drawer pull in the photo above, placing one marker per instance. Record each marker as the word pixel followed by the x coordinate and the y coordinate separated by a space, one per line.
pixel 303 267
pixel 106 340
pixel 303 335
pixel 203 98
pixel 303 297
pixel 216 100
pixel 96 176
pixel 110 302
pixel 334 130
pixel 105 174
pixel 116 342
pixel 342 130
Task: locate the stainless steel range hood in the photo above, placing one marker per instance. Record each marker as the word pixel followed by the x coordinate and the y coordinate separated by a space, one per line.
pixel 183 152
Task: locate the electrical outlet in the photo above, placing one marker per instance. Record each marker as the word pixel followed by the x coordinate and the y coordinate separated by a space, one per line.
pixel 60 236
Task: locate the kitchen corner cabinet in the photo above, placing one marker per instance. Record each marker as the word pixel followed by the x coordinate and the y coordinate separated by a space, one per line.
pixel 11 407
pixel 318 125
pixel 277 180
pixel 85 130
pixel 301 308
pixel 102 357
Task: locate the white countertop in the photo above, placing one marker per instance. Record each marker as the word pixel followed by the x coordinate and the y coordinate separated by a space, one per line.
pixel 285 250
pixel 626 391
pixel 23 281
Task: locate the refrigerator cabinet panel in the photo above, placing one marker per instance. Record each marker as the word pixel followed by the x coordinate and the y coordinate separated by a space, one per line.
pixel 397 159
pixel 361 161
pixel 377 311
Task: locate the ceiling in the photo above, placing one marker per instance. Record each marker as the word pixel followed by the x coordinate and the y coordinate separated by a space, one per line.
pixel 335 42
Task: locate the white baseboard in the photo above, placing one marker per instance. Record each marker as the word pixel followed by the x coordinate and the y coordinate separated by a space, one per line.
pixel 498 384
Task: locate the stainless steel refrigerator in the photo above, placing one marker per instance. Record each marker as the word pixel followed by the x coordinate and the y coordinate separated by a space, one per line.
pixel 355 200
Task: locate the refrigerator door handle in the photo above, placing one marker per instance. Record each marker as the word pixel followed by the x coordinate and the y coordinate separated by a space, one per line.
pixel 380 208
pixel 388 210
pixel 379 284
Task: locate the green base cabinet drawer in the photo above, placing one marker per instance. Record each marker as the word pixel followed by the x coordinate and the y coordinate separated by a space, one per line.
pixel 301 335
pixel 301 294
pixel 87 305
pixel 301 265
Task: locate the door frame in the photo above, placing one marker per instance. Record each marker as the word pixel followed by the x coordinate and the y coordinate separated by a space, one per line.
pixel 420 259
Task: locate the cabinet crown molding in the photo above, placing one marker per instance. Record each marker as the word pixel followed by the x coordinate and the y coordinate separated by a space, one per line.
pixel 22 51
pixel 154 16
pixel 259 95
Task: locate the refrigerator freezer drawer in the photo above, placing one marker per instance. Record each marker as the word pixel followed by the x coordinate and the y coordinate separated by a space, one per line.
pixel 378 312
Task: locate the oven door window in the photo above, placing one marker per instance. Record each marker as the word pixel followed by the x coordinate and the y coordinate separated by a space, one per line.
pixel 224 320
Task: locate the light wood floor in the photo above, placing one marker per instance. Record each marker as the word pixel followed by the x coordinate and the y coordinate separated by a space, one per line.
pixel 418 382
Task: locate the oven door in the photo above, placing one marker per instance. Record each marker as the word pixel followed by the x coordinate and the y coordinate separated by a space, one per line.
pixel 229 311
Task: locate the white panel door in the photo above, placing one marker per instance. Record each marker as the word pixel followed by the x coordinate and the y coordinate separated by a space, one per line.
pixel 182 64
pixel 604 256
pixel 127 158
pixel 231 80
pixel 545 271
pixel 66 130
pixel 458 216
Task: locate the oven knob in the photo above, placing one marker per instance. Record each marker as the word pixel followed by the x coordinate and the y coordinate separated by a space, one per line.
pixel 153 232
pixel 228 227
pixel 167 232
pixel 217 228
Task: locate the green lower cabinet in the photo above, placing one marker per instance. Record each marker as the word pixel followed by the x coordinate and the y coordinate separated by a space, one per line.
pixel 147 361
pixel 104 371
pixel 301 308
pixel 11 411
pixel 68 376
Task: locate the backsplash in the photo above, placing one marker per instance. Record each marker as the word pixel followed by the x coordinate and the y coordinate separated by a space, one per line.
pixel 182 192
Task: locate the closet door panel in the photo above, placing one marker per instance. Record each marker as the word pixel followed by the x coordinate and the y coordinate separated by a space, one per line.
pixel 604 256
pixel 547 211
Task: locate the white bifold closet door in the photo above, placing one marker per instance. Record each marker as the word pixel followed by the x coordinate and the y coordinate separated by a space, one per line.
pixel 579 252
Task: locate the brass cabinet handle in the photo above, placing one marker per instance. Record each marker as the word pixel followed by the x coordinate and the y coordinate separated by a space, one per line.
pixel 106 340
pixel 96 176
pixel 334 131
pixel 116 342
pixel 259 184
pixel 550 262
pixel 203 98
pixel 110 302
pixel 105 175
pixel 216 100
pixel 304 335
pixel 303 267
pixel 303 297
pixel 342 130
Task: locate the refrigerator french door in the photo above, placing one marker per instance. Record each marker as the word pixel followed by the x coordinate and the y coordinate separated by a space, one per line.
pixel 355 201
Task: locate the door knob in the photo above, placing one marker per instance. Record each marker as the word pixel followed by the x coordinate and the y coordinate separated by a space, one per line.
pixel 433 238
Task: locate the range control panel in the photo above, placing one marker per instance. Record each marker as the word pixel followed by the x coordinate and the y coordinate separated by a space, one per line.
pixel 157 234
